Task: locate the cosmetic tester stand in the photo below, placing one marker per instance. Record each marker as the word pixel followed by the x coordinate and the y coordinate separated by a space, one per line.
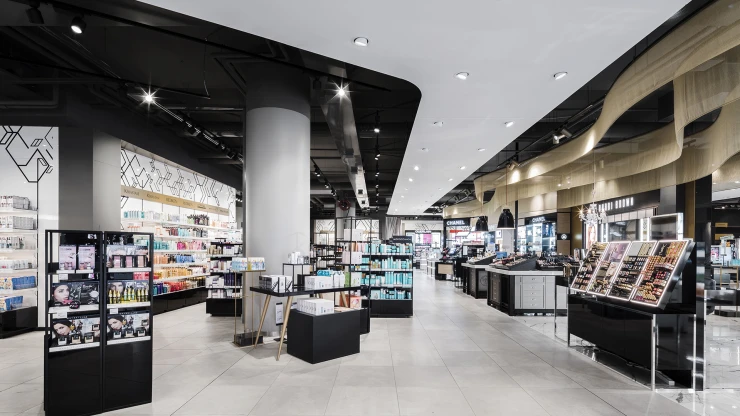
pixel 98 321
pixel 627 299
pixel 474 272
pixel 516 287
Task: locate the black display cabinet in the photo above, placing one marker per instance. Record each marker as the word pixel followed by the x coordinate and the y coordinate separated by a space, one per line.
pixel 316 339
pixel 98 340
pixel 128 346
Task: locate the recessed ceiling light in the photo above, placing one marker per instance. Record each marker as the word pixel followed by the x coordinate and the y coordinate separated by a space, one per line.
pixel 406 189
pixel 509 123
pixel 424 149
pixel 462 75
pixel 341 92
pixel 481 149
pixel 411 179
pixel 439 189
pixel 560 184
pixel 403 196
pixel 439 123
pixel 376 130
pixel 361 41
pixel 148 97
pixel 449 180
pixel 560 75
pixel 78 25
pixel 462 167
pixel 713 183
pixel 416 168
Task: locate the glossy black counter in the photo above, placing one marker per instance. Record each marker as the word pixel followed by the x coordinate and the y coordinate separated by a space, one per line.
pixel 627 332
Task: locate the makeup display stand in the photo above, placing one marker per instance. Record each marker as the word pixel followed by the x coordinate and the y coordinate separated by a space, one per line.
pixel 97 342
pixel 393 308
pixel 349 242
pixel 224 300
pixel 23 318
pixel 622 300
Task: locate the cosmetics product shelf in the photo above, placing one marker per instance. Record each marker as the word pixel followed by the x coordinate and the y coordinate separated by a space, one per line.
pixel 179 251
pixel 128 340
pixel 17 231
pixel 125 270
pixel 201 263
pixel 75 347
pixel 177 224
pixel 169 279
pixel 12 271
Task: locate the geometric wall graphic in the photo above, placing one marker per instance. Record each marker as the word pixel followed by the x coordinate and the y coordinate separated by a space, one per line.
pixel 141 172
pixel 30 150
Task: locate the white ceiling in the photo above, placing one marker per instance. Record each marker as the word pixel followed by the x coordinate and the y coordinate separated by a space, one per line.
pixel 511 48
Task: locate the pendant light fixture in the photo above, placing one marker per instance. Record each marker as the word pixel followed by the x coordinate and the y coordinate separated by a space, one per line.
pixel 592 215
pixel 506 219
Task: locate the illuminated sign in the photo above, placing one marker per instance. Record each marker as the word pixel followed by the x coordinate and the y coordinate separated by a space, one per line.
pixel 462 222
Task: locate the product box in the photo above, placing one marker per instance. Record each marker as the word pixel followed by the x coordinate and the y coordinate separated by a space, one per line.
pixel 67 257
pixel 75 330
pixel 17 282
pixel 338 280
pixel 8 303
pixel 355 302
pixel 127 325
pixel 316 306
pixel 74 294
pixel 86 258
pixel 319 282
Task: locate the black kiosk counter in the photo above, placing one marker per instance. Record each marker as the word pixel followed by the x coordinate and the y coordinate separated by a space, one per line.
pixel 519 288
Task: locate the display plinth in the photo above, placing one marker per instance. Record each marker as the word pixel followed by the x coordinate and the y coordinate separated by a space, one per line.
pixel 223 307
pixel 316 339
pixel 18 321
pixel 127 381
pixel 81 365
pixel 171 301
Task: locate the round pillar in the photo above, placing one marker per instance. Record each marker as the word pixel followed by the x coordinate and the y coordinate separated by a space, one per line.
pixel 276 181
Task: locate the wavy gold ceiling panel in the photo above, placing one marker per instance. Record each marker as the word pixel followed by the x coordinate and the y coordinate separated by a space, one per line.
pixel 701 58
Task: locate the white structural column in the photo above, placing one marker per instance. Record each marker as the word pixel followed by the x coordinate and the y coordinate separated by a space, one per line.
pixel 276 185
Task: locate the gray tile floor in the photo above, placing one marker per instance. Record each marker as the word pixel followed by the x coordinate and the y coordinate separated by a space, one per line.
pixel 456 356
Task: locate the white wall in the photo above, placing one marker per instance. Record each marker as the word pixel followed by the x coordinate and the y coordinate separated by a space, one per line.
pixel 28 167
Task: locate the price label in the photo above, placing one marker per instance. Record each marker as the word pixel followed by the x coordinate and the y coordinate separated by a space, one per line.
pixel 61 314
pixel 114 310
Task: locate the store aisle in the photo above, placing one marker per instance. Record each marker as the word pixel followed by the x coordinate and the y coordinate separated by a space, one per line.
pixel 456 356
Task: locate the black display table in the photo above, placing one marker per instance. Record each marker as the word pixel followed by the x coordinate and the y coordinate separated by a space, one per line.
pixel 299 291
pixel 18 321
pixel 223 307
pixel 316 339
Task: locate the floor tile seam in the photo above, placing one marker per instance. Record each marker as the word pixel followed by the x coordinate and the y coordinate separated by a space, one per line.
pixel 207 385
pixel 585 389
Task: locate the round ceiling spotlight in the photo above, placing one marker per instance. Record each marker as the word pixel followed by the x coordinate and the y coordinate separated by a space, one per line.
pixel 449 180
pixel 560 75
pixel 148 97
pixel 462 167
pixel 416 168
pixel 376 129
pixel 411 179
pixel 509 123
pixel 439 123
pixel 462 75
pixel 424 149
pixel 481 149
pixel 403 196
pixel 78 25
pixel 361 41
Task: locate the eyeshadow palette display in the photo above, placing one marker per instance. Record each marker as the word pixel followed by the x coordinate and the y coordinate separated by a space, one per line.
pixel 127 256
pixel 658 272
pixel 607 267
pixel 624 283
pixel 585 273
pixel 127 325
pixel 74 293
pixel 84 329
